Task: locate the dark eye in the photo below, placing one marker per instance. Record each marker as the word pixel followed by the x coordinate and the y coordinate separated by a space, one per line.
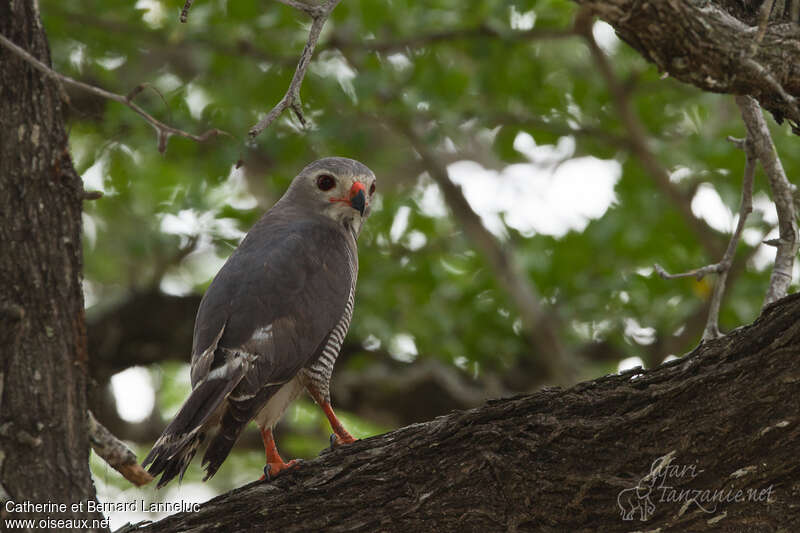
pixel 372 189
pixel 325 182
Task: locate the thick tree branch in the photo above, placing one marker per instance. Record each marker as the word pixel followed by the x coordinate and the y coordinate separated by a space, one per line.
pixel 319 15
pixel 724 417
pixel 164 131
pixel 709 45
pixel 782 191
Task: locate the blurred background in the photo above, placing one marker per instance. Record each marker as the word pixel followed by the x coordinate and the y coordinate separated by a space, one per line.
pixel 577 165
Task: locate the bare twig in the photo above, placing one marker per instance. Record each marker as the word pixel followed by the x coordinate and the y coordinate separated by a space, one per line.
pixel 185 11
pixel 116 453
pixel 724 266
pixel 763 21
pixel 163 131
pixel 782 191
pixel 291 100
pixel 745 208
pixel 92 195
pixel 697 273
pixel 538 324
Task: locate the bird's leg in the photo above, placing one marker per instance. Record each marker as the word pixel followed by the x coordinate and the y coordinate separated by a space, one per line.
pixel 342 436
pixel 275 464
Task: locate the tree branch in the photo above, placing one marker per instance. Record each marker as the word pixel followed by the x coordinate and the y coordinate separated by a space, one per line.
pixel 163 131
pixel 782 191
pixel 319 15
pixel 745 208
pixel 638 139
pixel 114 452
pixel 561 364
pixel 564 460
pixel 185 11
pixel 702 44
pixel 724 266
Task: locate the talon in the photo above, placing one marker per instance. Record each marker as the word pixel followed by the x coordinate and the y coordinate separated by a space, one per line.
pixel 272 470
pixel 338 440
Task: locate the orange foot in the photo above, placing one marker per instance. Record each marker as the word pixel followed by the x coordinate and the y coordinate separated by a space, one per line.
pixel 275 464
pixel 271 470
pixel 338 440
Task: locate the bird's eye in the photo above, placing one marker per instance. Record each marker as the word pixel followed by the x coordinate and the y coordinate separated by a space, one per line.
pixel 372 189
pixel 326 182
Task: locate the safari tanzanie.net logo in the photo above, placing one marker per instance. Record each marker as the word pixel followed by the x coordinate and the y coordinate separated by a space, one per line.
pixel 668 483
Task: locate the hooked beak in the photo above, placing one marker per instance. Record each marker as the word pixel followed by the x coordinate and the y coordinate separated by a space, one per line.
pixel 358 200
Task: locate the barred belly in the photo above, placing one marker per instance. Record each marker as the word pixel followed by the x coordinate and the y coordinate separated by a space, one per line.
pixel 318 375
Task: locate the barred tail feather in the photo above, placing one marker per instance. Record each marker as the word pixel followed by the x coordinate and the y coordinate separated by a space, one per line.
pixel 218 450
pixel 177 445
pixel 236 417
pixel 175 463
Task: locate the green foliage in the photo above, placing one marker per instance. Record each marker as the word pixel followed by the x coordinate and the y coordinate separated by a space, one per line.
pixel 428 281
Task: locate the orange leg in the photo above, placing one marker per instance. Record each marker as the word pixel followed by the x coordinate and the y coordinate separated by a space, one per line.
pixel 275 464
pixel 342 435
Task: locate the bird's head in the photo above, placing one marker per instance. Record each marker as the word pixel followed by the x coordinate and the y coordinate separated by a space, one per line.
pixel 339 188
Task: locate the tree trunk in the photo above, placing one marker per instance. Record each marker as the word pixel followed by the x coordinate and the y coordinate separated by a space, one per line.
pixel 44 446
pixel 704 443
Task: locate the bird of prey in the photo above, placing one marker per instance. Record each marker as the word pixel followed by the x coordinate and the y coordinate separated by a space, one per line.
pixel 272 322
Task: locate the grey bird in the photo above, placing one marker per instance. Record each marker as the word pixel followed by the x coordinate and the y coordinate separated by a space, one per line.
pixel 272 322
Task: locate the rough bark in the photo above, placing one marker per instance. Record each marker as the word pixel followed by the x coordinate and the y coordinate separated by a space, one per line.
pixel 725 417
pixel 712 45
pixel 44 446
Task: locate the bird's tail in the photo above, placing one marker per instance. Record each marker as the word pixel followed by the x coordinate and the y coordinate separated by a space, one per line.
pixel 220 446
pixel 236 417
pixel 175 448
pixel 172 460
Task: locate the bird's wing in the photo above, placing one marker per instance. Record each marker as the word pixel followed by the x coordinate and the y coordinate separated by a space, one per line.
pixel 261 320
pixel 276 298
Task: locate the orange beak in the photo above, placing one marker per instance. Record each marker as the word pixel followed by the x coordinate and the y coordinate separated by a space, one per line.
pixel 357 198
